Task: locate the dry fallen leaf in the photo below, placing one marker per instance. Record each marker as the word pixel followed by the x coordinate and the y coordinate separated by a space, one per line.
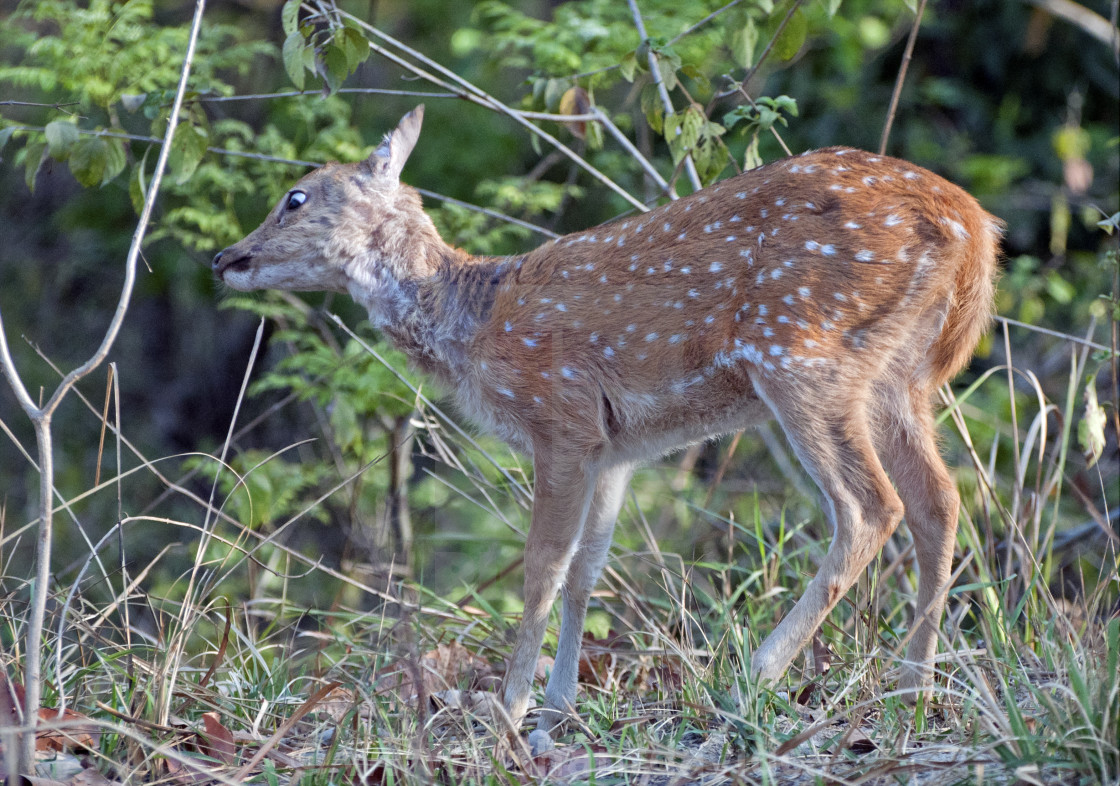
pixel 216 741
pixel 73 731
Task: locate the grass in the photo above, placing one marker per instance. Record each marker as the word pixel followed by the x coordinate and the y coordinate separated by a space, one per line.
pixel 227 672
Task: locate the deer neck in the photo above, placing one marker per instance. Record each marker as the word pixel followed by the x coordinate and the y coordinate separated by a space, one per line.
pixel 430 301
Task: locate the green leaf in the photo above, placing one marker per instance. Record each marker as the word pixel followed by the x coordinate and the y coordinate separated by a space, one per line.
pixel 35 153
pixel 292 53
pixel 335 67
pixel 1090 431
pixel 6 134
pixel 629 66
pixel 793 36
pixel 289 16
pixel 652 108
pixel 187 149
pixel 61 136
pixel 138 184
pixel 743 44
pixel 95 160
pixel 356 47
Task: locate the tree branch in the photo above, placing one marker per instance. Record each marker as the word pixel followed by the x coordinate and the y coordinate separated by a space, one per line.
pixel 41 420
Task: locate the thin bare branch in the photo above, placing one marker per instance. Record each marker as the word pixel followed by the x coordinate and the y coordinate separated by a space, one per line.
pixel 41 417
pixel 906 55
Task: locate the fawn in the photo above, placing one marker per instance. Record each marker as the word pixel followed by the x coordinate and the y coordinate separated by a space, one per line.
pixel 833 291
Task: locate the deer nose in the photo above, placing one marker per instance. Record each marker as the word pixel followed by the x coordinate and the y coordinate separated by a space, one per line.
pixel 217 262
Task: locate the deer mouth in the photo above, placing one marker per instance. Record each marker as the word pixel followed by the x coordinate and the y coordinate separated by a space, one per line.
pixel 226 263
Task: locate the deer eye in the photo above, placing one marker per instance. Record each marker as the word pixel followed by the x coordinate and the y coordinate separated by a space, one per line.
pixel 295 199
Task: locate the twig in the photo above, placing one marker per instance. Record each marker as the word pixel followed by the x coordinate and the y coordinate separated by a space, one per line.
pixel 40 417
pixel 702 22
pixel 770 44
pixel 898 82
pixel 478 96
pixel 1056 334
pixel 295 93
pixel 655 74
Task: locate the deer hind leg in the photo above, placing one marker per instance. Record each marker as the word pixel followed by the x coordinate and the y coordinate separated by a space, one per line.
pixel 583 573
pixel 828 429
pixel 909 450
pixel 562 493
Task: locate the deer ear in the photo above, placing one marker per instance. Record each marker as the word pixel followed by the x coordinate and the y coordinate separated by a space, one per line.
pixel 388 159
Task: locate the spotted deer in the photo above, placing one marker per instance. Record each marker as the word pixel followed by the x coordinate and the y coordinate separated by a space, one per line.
pixel 833 292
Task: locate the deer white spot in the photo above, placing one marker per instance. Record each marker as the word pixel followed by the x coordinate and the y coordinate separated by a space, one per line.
pixel 735 219
pixel 741 195
pixel 603 279
pixel 537 399
pixel 529 342
pixel 667 227
pixel 764 212
pixel 810 343
pixel 910 175
pixel 803 291
pixel 618 298
pixel 681 236
pixel 668 265
pixel 828 249
pixel 776 350
pixel 730 238
pixel 608 352
pixel 957 227
pixel 776 273
pixel 812 245
pixel 631 328
pixel 869 181
pixel 715 267
pixel 810 206
pixel 864 255
pixel 594 338
pixel 892 220
pixel 783 319
pixel 826 325
pixel 545 374
pixel 675 338
pixel 788 300
pixel 567 373
pixel 506 392
pixel 509 326
pixel 709 319
pixel 762 309
pixel 694 293
pixel 779 202
pixel 650 271
pixel 686 270
pixel 839 296
pixel 561 307
pixel 651 336
pixel 767 332
pixel 852 225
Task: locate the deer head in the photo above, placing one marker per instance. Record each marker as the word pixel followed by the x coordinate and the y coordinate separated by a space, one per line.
pixel 351 228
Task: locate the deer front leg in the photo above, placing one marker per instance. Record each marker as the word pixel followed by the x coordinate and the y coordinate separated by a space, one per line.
pixel 562 493
pixel 594 545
